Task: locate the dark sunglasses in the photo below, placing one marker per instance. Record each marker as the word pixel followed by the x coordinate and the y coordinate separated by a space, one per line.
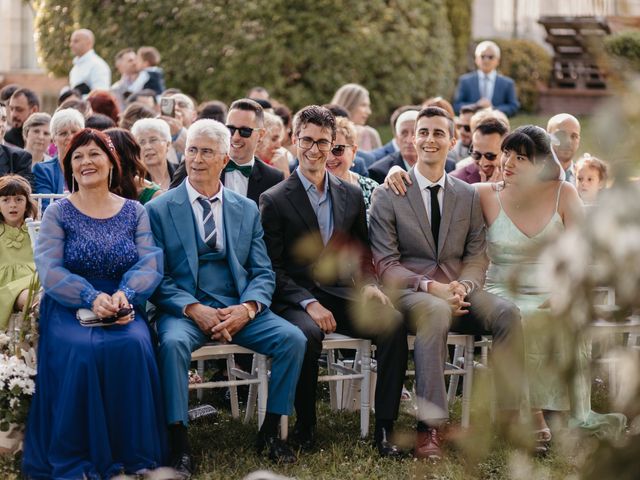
pixel 338 150
pixel 245 132
pixel 466 128
pixel 488 155
pixel 487 57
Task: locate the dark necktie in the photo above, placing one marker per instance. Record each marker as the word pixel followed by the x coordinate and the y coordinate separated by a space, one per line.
pixel 243 169
pixel 208 222
pixel 435 213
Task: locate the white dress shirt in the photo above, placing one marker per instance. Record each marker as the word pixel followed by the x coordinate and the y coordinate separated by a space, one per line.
pixel 236 181
pixel 486 90
pixel 216 209
pixel 91 69
pixel 424 183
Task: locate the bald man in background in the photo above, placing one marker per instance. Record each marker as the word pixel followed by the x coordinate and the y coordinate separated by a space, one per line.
pixel 90 71
pixel 566 129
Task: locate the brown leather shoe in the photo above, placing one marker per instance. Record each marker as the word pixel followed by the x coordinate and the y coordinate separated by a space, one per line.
pixel 428 445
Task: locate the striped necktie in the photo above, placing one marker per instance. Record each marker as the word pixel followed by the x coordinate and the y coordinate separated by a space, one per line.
pixel 208 221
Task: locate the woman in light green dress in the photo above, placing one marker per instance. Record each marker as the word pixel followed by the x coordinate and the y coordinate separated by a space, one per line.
pixel 531 206
pixel 17 268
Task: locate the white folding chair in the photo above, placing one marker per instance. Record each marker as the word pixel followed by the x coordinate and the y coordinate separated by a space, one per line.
pixel 33 226
pixel 257 376
pixel 40 197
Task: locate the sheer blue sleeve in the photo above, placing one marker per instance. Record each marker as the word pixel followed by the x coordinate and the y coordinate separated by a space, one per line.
pixel 70 290
pixel 142 278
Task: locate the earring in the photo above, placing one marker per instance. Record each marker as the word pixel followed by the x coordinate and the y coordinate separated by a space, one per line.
pixel 110 176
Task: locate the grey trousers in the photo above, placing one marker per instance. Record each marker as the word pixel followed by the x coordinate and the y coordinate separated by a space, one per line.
pixel 430 319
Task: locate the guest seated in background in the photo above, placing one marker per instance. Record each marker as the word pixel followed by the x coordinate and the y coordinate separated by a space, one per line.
pixel 391 146
pixel 97 411
pixel 362 159
pixel 485 87
pixel 154 138
pixel 429 248
pixel 48 174
pixel 133 183
pixel 463 127
pixel 13 160
pixel 565 129
pixel 531 207
pixel 37 136
pixel 591 178
pixel 217 286
pixel 269 148
pixel 22 104
pixel 99 121
pixel 213 109
pixel 316 234
pixel 355 99
pixel 134 112
pixel 104 102
pixel 485 151
pixel 17 269
pixel 341 156
pixel 480 116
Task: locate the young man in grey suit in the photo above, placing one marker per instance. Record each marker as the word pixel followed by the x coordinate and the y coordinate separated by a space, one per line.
pixel 429 246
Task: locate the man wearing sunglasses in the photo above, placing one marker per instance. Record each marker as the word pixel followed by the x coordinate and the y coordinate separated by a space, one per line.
pixel 245 173
pixel 485 152
pixel 463 126
pixel 485 87
pixel 315 230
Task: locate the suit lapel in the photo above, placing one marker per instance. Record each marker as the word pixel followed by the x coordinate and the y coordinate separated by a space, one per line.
pixel 231 209
pixel 447 211
pixel 300 201
pixel 497 85
pixel 475 86
pixel 182 217
pixel 253 188
pixel 338 203
pixel 414 195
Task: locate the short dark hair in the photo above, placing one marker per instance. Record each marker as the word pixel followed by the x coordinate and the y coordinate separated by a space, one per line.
pixel 249 105
pixel 534 143
pixel 7 91
pixel 69 92
pixel 133 112
pixel 337 110
pixel 104 143
pixel 99 121
pixel 468 109
pixel 145 92
pixel 32 98
pixel 491 125
pixel 214 109
pixel 317 115
pixel 430 112
pixel 81 105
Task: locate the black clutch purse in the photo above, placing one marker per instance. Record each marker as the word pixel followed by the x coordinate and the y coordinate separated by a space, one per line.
pixel 89 319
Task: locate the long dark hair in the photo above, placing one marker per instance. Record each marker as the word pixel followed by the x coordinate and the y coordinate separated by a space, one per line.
pixel 132 166
pixel 533 142
pixel 104 143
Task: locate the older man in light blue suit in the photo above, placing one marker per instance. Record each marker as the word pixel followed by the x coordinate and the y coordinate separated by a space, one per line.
pixel 218 285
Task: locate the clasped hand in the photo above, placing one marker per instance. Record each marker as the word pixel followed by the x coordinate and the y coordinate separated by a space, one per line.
pixel 454 294
pixel 219 323
pixel 105 306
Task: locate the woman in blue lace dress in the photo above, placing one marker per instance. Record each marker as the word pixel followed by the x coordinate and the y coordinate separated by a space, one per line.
pixel 97 409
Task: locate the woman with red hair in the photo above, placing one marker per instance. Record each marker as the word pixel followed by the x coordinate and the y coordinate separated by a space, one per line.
pixel 104 102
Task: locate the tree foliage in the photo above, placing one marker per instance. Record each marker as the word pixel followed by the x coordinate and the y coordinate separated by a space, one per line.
pixel 301 51
pixel 459 17
pixel 625 48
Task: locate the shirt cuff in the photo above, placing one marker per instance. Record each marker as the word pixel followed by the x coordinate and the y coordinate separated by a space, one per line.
pixel 305 303
pixel 424 284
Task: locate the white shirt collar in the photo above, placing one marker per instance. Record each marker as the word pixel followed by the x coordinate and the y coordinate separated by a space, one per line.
pixel 84 57
pixel 424 182
pixel 492 74
pixel 249 163
pixel 194 194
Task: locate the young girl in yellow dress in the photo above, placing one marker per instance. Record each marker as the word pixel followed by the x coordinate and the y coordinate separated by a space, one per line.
pixel 16 256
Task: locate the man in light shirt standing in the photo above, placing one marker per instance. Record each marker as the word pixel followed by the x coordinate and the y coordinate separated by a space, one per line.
pixel 90 71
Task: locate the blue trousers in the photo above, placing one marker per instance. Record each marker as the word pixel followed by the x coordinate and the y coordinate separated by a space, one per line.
pixel 267 334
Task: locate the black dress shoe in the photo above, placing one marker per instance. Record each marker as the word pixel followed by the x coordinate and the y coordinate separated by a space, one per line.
pixel 303 437
pixel 279 451
pixel 386 448
pixel 183 466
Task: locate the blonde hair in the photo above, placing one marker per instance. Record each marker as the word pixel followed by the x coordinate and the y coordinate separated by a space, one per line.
pixel 349 96
pixel 348 129
pixel 593 162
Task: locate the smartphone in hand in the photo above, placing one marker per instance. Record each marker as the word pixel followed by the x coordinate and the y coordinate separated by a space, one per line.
pixel 168 107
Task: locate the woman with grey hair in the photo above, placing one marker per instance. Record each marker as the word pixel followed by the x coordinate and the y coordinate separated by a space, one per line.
pixel 154 137
pixel 354 99
pixel 48 175
pixel 37 136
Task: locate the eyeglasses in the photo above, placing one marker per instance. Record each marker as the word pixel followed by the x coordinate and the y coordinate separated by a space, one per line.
pixel 488 155
pixel 487 57
pixel 466 128
pixel 245 132
pixel 307 143
pixel 205 153
pixel 338 150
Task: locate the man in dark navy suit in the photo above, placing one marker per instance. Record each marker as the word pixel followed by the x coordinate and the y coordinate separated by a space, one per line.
pixel 12 160
pixel 245 173
pixel 486 88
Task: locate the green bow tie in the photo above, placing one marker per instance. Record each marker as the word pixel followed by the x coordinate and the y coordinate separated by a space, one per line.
pixel 243 169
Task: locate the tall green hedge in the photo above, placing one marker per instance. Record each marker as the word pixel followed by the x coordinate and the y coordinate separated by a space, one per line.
pixel 459 16
pixel 301 51
pixel 625 47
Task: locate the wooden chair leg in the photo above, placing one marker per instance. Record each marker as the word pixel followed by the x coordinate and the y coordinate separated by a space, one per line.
pixel 467 384
pixel 365 388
